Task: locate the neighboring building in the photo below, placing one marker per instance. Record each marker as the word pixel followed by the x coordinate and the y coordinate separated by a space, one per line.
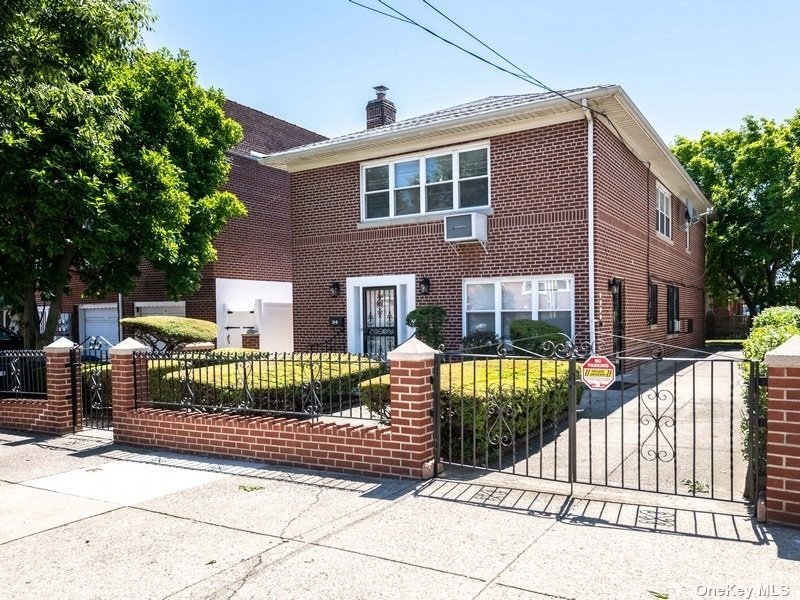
pixel 543 175
pixel 254 253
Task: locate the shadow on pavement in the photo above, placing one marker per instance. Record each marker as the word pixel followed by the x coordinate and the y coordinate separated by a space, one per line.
pixel 587 512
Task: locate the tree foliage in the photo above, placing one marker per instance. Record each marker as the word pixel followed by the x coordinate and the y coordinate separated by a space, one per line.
pixel 752 177
pixel 111 154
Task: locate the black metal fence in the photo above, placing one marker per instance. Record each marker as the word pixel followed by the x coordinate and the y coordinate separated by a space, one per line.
pixel 679 425
pixel 305 385
pixel 94 387
pixel 23 374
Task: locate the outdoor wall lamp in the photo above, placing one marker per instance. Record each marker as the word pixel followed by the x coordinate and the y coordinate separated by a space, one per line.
pixel 424 286
pixel 334 289
pixel 613 285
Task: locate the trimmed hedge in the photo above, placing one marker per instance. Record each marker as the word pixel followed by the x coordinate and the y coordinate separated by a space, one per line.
pixel 279 383
pixel 528 393
pixel 770 329
pixel 536 337
pixel 170 331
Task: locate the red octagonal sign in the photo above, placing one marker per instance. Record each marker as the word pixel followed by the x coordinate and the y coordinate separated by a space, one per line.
pixel 598 373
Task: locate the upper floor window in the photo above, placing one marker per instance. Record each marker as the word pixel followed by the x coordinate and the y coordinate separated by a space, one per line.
pixel 664 210
pixel 435 182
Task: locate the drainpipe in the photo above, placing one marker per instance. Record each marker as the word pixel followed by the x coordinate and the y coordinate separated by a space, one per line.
pixel 590 215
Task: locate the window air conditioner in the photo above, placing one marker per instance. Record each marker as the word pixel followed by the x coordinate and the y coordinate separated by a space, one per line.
pixel 466 227
pixel 677 326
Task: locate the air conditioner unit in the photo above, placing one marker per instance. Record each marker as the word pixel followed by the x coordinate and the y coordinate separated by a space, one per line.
pixel 466 227
pixel 676 326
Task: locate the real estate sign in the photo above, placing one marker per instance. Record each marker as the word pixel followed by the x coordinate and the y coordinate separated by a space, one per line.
pixel 598 373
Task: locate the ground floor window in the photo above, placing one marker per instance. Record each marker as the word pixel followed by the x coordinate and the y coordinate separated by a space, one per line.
pixel 491 305
pixel 673 309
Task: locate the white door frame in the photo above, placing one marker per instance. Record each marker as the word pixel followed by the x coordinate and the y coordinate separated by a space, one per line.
pixel 406 302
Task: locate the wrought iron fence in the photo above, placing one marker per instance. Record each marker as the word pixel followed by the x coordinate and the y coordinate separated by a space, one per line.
pixel 306 385
pixel 23 374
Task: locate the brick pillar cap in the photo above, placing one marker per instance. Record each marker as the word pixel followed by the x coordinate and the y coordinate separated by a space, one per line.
pixel 128 346
pixel 785 355
pixel 413 350
pixel 62 344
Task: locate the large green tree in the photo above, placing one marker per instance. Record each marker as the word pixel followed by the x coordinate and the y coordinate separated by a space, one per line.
pixel 752 177
pixel 109 154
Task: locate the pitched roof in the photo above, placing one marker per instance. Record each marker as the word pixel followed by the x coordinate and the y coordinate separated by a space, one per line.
pixel 483 106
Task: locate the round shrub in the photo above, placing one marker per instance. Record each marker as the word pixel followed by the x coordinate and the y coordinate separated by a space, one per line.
pixel 481 342
pixel 536 337
pixel 428 321
pixel 169 332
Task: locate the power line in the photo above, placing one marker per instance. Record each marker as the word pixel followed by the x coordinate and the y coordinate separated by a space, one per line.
pixel 380 12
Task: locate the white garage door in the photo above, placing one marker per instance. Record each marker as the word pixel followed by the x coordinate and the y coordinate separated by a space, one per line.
pixel 100 321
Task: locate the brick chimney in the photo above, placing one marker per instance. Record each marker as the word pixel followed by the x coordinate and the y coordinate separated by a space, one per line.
pixel 380 111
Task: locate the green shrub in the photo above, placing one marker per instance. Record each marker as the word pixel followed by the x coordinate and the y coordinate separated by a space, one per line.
pixel 481 342
pixel 428 321
pixel 528 393
pixel 536 337
pixel 781 325
pixel 169 331
pixel 777 316
pixel 276 383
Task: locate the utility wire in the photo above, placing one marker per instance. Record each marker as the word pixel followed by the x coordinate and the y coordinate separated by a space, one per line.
pixel 380 12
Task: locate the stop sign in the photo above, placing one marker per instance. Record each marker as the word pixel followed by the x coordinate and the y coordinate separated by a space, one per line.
pixel 598 373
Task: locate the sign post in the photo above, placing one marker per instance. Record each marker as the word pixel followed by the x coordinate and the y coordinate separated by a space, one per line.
pixel 598 373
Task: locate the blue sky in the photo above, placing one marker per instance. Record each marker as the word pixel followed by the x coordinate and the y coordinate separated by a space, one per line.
pixel 689 65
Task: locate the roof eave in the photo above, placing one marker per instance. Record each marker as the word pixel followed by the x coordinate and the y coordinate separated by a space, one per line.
pixel 283 160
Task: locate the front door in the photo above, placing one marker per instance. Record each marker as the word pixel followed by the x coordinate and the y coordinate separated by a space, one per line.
pixel 618 326
pixel 379 309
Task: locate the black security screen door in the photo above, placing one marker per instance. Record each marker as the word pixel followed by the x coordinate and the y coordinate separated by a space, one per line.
pixel 617 321
pixel 380 320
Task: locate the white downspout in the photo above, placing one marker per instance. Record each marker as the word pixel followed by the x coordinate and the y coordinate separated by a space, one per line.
pixel 590 216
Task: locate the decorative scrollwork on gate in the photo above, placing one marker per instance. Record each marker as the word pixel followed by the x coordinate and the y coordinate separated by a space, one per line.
pixel 657 417
pixel 310 397
pixel 243 373
pixel 187 388
pixel 16 374
pixel 96 389
pixel 499 417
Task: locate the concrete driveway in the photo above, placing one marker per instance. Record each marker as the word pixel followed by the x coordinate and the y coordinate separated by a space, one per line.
pixel 83 518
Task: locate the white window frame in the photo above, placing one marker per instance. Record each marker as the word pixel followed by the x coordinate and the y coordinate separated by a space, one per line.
pixel 663 193
pixel 421 157
pixel 498 305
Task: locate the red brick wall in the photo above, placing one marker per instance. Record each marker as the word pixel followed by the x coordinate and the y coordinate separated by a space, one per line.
pixel 403 449
pixel 52 414
pixel 783 446
pixel 538 193
pixel 627 247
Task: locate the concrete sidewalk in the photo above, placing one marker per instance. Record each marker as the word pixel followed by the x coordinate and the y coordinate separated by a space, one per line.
pixel 83 518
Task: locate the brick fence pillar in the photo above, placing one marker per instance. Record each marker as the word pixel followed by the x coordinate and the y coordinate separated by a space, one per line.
pixel 251 339
pixel 58 417
pixel 123 382
pixel 783 433
pixel 411 368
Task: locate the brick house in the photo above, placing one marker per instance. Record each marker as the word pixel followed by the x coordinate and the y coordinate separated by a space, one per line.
pixel 254 253
pixel 567 209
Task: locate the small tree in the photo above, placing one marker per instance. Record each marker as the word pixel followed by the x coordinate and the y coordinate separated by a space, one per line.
pixel 169 332
pixel 429 321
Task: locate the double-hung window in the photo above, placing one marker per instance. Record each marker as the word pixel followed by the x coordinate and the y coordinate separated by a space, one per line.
pixel 664 211
pixel 426 184
pixel 491 305
pixel 673 309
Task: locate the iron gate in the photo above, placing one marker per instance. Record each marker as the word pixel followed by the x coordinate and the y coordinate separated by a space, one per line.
pixel 91 384
pixel 685 425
